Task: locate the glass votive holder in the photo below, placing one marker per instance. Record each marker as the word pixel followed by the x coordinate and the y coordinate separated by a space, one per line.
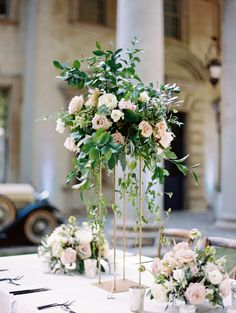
pixel 136 298
pixel 90 268
pixel 233 293
pixel 45 265
pixel 187 308
pixel 231 309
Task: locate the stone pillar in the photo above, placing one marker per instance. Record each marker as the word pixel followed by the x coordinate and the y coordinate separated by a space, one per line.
pixel 142 19
pixel 227 209
pixel 27 109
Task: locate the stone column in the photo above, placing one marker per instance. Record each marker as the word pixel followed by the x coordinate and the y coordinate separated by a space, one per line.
pixel 227 207
pixel 143 19
pixel 29 90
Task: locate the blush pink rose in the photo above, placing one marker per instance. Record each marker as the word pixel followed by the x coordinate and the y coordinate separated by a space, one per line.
pixel 84 251
pixel 68 256
pixel 166 139
pixel 195 293
pixel 101 121
pixel 160 129
pixel 194 269
pixel 118 138
pixel 225 287
pixel 167 270
pixel 157 266
pixel 183 245
pixel 126 104
pixel 146 129
pixel 169 258
pixel 185 256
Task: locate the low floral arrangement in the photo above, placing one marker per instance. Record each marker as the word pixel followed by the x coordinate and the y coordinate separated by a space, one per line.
pixel 190 274
pixel 69 245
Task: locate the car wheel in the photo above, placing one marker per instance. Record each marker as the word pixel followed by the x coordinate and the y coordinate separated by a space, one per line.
pixel 38 224
pixel 7 212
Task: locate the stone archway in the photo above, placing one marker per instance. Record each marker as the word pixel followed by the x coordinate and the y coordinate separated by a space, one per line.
pixel 182 67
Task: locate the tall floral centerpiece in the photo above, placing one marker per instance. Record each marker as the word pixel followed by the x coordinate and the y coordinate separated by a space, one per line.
pixel 116 115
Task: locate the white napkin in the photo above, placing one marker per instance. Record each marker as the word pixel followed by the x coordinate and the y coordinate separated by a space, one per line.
pixel 9 304
pixel 22 308
pixel 5 302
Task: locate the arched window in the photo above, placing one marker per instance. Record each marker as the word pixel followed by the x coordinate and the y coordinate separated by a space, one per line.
pixel 172 18
pixel 97 12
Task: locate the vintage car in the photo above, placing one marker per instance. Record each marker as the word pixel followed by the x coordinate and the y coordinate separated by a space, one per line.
pixel 26 215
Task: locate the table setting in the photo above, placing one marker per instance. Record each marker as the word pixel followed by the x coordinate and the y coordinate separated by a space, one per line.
pixel 36 290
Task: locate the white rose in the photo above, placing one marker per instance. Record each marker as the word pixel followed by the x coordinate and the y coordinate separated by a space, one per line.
pixel 159 292
pixel 76 104
pixel 178 275
pixel 53 238
pixel 144 97
pixel 169 285
pixel 83 236
pixel 215 277
pixel 109 100
pixel 70 144
pixel 210 266
pixel 60 127
pixel 116 115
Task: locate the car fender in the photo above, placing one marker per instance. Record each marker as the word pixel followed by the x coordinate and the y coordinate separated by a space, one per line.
pixel 23 213
pixel 44 204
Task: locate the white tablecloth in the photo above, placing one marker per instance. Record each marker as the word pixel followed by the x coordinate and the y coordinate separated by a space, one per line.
pixel 89 298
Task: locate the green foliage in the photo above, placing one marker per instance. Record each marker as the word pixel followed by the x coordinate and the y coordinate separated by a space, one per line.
pixel 114 72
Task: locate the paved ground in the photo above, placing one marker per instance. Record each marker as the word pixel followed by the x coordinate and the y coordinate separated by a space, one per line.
pixel 205 222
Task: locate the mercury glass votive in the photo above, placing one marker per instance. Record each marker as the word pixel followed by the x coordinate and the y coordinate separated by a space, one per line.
pixel 136 298
pixel 231 309
pixel 90 268
pixel 187 308
pixel 233 293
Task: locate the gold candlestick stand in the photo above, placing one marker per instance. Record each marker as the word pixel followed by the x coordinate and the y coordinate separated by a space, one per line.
pixel 120 285
pixel 100 230
pixel 140 217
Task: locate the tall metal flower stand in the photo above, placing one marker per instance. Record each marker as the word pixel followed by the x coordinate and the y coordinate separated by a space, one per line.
pixel 122 285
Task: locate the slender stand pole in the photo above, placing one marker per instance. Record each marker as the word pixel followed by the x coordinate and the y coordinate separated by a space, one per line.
pixel 124 226
pixel 140 215
pixel 114 248
pixel 100 226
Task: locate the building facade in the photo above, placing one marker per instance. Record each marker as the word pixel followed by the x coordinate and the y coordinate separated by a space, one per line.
pixel 33 33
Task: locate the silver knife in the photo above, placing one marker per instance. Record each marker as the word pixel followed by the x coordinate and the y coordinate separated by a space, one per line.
pixel 22 292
